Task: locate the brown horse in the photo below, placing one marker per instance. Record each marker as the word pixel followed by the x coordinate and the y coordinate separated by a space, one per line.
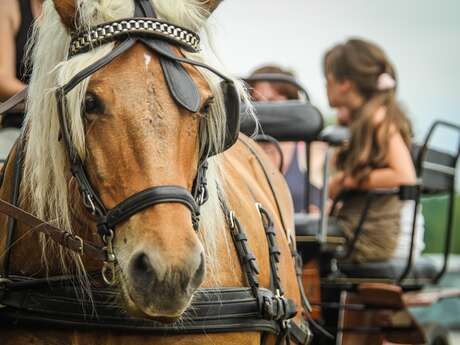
pixel 133 135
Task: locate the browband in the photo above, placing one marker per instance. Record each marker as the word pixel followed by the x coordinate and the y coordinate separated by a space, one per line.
pixel 124 28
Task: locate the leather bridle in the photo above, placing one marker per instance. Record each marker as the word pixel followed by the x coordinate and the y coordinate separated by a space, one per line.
pixel 131 31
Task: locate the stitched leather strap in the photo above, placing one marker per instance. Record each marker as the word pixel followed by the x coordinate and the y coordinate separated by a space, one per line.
pixel 62 237
pixel 213 310
pixel 147 198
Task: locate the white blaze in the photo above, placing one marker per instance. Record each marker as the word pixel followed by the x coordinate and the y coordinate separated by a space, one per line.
pixel 147 59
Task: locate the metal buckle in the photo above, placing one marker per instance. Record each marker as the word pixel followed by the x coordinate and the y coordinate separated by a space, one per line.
pixel 80 245
pixel 108 269
pixel 79 249
pixel 202 195
pixel 231 217
pixel 89 203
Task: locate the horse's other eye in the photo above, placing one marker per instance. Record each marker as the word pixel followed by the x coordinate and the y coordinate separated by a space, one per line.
pixel 93 104
pixel 207 106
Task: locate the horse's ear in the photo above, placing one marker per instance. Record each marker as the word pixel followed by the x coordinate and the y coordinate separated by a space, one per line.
pixel 67 10
pixel 211 5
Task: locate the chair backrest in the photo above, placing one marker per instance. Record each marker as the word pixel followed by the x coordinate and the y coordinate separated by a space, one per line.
pixel 293 120
pixel 436 169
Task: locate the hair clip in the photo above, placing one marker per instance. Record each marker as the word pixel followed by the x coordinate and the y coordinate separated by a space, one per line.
pixel 385 82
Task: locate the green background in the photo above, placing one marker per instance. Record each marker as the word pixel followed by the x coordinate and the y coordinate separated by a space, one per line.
pixel 435 214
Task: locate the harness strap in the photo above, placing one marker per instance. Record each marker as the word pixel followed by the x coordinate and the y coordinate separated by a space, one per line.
pixel 14 101
pixel 273 250
pixel 247 259
pixel 64 238
pixel 213 310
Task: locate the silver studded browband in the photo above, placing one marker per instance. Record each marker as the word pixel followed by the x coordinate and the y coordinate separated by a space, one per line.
pixel 104 33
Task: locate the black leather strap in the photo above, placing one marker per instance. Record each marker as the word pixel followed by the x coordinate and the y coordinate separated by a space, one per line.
pixel 247 259
pixel 147 198
pixel 273 250
pixel 213 310
pixel 143 8
pixel 93 68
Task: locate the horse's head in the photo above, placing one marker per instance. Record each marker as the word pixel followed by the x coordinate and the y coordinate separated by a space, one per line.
pixel 137 137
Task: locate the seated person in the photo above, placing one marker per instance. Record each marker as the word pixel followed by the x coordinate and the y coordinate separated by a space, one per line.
pixel 361 83
pixel 293 153
pixel 16 18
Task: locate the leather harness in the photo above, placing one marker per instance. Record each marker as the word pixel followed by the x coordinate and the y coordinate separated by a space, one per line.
pixel 53 301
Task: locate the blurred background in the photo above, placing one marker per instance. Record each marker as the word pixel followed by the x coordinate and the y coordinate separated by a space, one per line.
pixel 421 37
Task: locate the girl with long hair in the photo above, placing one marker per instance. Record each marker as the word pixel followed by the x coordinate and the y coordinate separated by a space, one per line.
pixel 362 82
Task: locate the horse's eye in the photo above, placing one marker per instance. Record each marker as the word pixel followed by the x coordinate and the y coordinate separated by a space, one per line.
pixel 207 106
pixel 93 104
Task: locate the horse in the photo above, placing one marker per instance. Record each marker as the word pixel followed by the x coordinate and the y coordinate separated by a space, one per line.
pixel 127 133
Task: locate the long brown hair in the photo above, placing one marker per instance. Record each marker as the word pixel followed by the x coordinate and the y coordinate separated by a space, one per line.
pixel 363 62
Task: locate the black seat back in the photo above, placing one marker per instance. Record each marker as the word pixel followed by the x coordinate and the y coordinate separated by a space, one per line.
pixel 436 169
pixel 293 120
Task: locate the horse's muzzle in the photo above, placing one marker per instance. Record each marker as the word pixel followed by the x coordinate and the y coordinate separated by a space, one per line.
pixel 162 291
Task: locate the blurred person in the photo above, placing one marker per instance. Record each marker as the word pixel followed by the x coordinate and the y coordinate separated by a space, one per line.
pixel 293 153
pixel 16 19
pixel 361 83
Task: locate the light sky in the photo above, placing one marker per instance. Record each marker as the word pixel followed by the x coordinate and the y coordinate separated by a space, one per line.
pixel 421 37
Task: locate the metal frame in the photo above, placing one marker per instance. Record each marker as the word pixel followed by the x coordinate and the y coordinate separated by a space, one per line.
pixel 451 207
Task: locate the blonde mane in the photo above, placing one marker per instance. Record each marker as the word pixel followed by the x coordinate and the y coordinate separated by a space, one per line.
pixel 46 167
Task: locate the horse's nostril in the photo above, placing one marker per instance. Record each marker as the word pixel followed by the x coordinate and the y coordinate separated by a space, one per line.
pixel 142 264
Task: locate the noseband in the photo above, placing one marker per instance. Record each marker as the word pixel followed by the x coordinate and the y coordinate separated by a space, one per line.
pixel 158 36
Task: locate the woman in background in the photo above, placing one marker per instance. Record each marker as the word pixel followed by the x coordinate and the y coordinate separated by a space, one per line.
pixel 293 153
pixel 16 18
pixel 361 82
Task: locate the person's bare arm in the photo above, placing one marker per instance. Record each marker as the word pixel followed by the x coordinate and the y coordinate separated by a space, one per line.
pixel 400 170
pixel 9 25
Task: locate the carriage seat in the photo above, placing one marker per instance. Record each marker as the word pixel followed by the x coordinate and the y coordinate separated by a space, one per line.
pixel 307 224
pixel 424 269
pixel 335 135
pixel 292 120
